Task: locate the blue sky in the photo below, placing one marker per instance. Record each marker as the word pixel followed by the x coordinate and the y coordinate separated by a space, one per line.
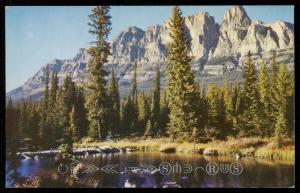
pixel 36 35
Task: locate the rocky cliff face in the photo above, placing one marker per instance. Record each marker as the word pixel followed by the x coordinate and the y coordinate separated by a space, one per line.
pixel 217 49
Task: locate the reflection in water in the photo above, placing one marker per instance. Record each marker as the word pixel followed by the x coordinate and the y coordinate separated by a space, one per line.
pixel 254 174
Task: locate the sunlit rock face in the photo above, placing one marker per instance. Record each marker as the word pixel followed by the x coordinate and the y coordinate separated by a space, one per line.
pixel 216 48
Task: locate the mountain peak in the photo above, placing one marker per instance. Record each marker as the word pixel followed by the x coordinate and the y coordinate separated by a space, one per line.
pixel 238 16
pixel 134 29
pixel 216 49
pixel 80 56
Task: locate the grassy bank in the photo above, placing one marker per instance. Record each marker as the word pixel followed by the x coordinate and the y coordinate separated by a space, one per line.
pixel 261 148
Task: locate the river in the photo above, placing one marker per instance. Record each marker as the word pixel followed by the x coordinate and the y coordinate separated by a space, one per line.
pixel 184 170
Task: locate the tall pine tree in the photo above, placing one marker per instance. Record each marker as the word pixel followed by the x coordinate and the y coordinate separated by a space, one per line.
pixel 227 90
pixel 155 107
pixel 134 95
pixel 11 126
pixel 81 111
pixel 283 85
pixel 216 111
pixel 236 107
pixel 265 99
pixel 67 97
pixel 96 95
pixel 144 112
pixel 33 122
pixel 250 118
pixel 23 122
pixel 126 116
pixel 163 115
pixel 114 104
pixel 180 80
pixel 203 119
pixel 274 91
pixel 45 132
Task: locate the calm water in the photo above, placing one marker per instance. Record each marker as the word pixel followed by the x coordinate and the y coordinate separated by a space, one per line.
pixel 186 170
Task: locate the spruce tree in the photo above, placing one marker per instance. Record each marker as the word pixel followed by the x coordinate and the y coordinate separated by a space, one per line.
pixel 114 104
pixel 54 87
pixel 134 81
pixel 46 82
pixel 221 119
pixel 126 116
pixel 148 131
pixel 23 120
pixel 33 123
pixel 265 99
pixel 96 94
pixel 155 107
pixel 45 131
pixel 135 112
pixel 59 130
pixel 203 120
pixel 11 126
pixel 274 91
pixel 52 115
pixel 67 147
pixel 81 111
pixel 250 118
pixel 227 91
pixel 283 85
pixel 180 80
pixel 164 115
pixel 199 130
pixel 236 106
pixel 66 100
pixel 291 106
pixel 74 125
pixel 143 112
pixel 28 107
pixel 216 112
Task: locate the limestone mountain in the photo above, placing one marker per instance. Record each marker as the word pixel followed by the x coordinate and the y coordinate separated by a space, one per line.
pixel 216 48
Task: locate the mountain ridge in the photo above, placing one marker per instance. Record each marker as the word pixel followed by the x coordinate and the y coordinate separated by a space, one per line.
pixel 217 49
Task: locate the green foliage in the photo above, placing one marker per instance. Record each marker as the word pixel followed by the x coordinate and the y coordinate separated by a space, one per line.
pixel 144 112
pixel 204 106
pixel 23 119
pixel 260 105
pixel 148 131
pixel 44 131
pixel 265 99
pixel 251 122
pixel 126 116
pixel 33 122
pixel 54 87
pixel 236 107
pixel 113 105
pixel 216 111
pixel 66 100
pixel 180 83
pixel 81 112
pixel 134 96
pixel 70 135
pixel 11 126
pixel 155 105
pixel 96 94
pixel 274 89
pixel 227 92
pixel 164 115
pixel 284 87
